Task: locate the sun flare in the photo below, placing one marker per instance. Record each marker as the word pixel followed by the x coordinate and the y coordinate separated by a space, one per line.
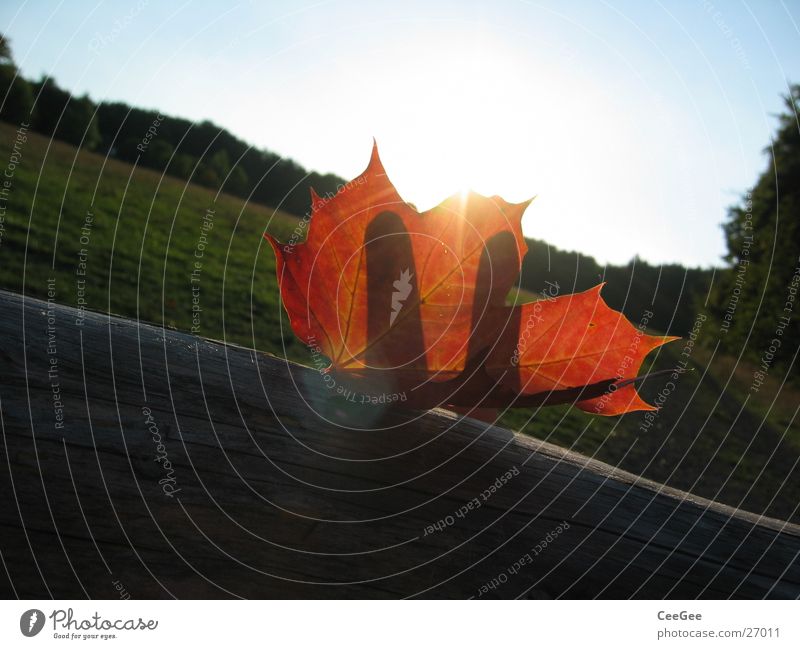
pixel 500 124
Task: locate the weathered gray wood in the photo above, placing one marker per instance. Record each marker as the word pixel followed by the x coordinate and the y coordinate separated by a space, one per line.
pixel 276 501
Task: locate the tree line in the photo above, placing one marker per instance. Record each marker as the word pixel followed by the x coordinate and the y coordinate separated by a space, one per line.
pixel 670 292
pixel 756 299
pixel 202 153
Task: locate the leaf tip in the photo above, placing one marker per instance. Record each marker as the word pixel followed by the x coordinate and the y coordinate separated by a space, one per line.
pixel 375 166
pixel 597 288
pixel 374 156
pixel 657 341
pixel 276 246
pixel 315 199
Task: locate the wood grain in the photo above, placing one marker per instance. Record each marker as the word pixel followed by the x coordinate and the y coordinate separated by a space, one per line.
pixel 282 489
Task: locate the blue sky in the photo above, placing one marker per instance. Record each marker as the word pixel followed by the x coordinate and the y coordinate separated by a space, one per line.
pixel 634 123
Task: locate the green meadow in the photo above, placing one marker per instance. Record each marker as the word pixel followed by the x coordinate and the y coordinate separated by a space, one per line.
pixel 132 242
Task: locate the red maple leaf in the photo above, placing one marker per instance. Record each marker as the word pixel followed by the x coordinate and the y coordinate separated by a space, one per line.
pixel 402 301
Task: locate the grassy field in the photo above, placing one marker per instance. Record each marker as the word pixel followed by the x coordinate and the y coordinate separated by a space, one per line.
pixel 145 239
pixel 147 234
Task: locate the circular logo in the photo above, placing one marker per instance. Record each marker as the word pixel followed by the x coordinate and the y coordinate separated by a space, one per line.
pixel 31 622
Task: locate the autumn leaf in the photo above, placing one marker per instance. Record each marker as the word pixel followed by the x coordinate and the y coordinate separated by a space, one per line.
pixel 573 341
pixel 403 301
pixel 338 286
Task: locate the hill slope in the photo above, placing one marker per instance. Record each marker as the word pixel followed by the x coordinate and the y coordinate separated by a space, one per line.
pixel 129 241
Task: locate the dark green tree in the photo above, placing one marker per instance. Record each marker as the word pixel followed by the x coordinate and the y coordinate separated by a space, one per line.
pixel 238 182
pixel 182 165
pixel 16 97
pixel 5 51
pixel 754 295
pixel 60 115
pixel 220 163
pixel 159 154
pixel 127 149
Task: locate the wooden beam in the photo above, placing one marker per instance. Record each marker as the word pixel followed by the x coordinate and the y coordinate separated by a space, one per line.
pixel 145 462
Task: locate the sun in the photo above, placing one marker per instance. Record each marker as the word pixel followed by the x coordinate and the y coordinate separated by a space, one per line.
pixel 459 124
pixel 450 116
